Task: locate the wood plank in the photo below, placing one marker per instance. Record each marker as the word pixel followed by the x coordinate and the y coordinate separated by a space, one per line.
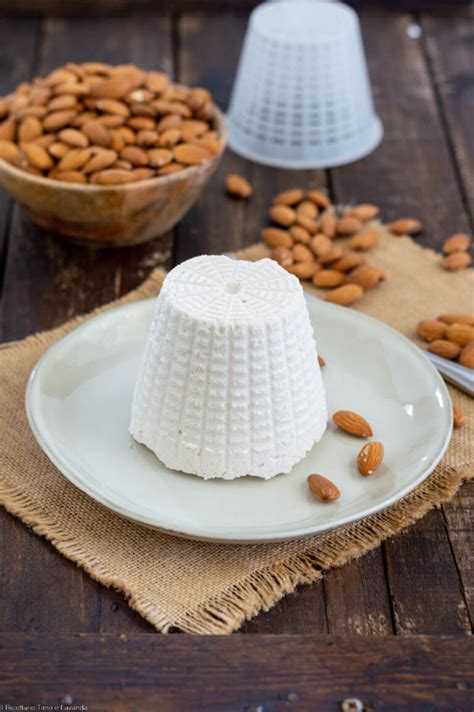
pixel 404 176
pixel 459 516
pixel 167 673
pixel 411 173
pixel 18 39
pixel 48 281
pixel 448 43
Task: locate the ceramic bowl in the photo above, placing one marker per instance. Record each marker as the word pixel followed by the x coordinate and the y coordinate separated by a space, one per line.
pixel 111 216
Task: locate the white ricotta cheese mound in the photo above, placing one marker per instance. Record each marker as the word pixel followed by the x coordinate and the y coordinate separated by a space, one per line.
pixel 230 383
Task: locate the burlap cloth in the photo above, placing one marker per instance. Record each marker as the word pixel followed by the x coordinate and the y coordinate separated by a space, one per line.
pixel 212 588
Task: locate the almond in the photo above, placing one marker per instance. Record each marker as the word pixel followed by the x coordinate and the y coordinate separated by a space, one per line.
pixel 322 488
pixel 345 295
pixel 460 333
pixel 146 137
pixel 328 278
pixel 307 223
pixel 365 240
pixel 320 244
pixel 114 176
pixel 38 156
pixel 114 88
pixel 348 225
pixel 275 237
pixel 10 152
pixel 302 254
pixel 444 348
pixel 321 361
pixel 300 234
pixel 111 121
pixel 159 157
pixel 71 176
pixel 170 168
pixel 283 256
pixel 303 270
pixel 169 138
pixel 142 173
pixel 282 215
pixel 370 458
pixel 137 156
pixel 97 134
pixel 59 103
pixel 100 161
pixel 459 418
pixel 112 106
pixel 8 130
pixel 73 137
pixel 456 260
pixel 308 209
pixel 327 224
pixel 29 129
pixel 190 154
pixel 197 98
pixel 364 211
pixel 431 329
pixel 289 197
pixel 318 198
pixel 74 159
pixel 58 149
pixel 456 319
pixel 348 261
pixel 156 82
pixel 352 423
pixel 457 243
pixel 331 255
pixel 58 120
pixel 365 275
pixel 466 357
pixel 406 226
pixel 238 186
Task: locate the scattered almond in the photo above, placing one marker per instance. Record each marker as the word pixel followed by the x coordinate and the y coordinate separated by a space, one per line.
pixel 348 225
pixel 431 329
pixel 406 226
pixel 348 261
pixel 460 333
pixel 345 295
pixel 308 209
pixel 307 223
pixel 303 270
pixel 364 211
pixel 333 254
pixel 459 418
pixel 283 256
pixel 327 224
pixel 466 357
pixel 370 458
pixel 300 234
pixel 456 261
pixel 365 240
pixel 318 198
pixel 326 278
pixel 238 186
pixel 302 254
pixel 289 197
pixel 276 237
pixel 457 243
pixel 364 275
pixel 456 319
pixel 320 244
pixel 444 348
pixel 282 215
pixel 322 488
pixel 352 423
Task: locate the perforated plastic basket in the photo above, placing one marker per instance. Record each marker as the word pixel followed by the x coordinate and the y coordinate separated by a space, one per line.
pixel 301 97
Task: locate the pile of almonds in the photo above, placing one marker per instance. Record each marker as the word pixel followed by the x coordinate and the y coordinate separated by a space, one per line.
pixel 369 459
pixel 303 241
pixel 95 123
pixel 450 336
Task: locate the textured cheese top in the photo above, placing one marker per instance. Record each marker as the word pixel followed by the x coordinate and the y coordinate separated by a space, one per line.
pixel 226 291
pixel 230 384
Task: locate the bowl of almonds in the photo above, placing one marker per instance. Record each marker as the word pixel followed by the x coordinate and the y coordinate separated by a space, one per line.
pixel 108 155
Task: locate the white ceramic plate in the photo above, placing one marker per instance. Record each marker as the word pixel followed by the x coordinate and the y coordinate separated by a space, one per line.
pixel 78 403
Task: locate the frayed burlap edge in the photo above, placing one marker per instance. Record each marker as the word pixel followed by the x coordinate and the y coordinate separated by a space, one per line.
pixel 260 590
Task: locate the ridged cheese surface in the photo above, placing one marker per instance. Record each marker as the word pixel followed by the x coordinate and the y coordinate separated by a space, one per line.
pixel 230 384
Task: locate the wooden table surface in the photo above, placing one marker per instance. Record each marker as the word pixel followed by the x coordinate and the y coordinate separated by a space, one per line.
pixel 390 628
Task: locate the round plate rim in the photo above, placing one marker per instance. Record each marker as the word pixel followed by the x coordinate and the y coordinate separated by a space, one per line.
pixel 196 533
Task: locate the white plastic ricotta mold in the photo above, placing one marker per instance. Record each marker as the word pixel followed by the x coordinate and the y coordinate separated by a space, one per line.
pixel 302 97
pixel 230 383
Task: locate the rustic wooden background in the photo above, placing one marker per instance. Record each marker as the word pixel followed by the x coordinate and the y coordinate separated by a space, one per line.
pixel 365 620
